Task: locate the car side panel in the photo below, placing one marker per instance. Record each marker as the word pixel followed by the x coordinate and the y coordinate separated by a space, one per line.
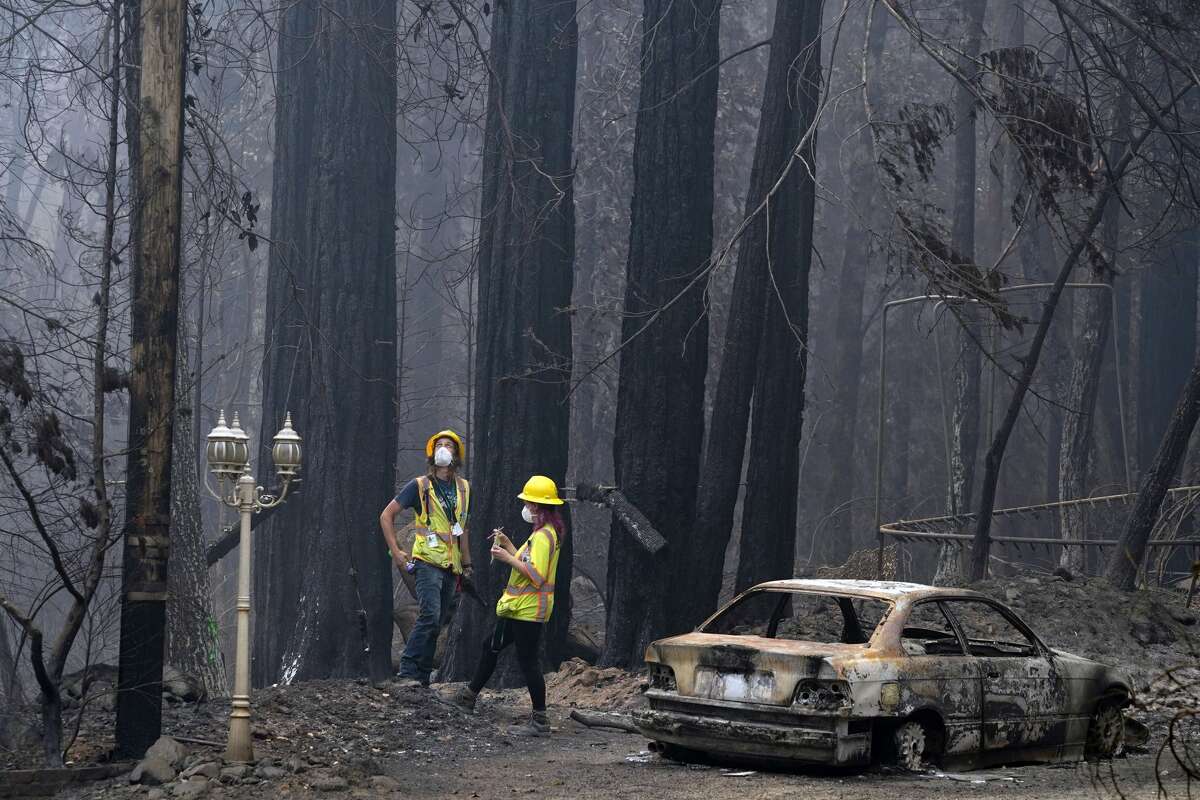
pixel 950 687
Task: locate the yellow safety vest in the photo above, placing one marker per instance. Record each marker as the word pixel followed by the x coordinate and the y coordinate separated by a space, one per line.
pixel 432 518
pixel 529 596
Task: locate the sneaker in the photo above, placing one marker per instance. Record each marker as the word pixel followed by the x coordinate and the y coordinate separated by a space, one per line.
pixel 409 683
pixel 538 725
pixel 461 697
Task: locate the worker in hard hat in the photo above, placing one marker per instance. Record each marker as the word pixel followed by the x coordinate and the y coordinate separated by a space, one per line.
pixel 440 501
pixel 526 604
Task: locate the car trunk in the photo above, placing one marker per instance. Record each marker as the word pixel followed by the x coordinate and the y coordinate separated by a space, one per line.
pixel 748 669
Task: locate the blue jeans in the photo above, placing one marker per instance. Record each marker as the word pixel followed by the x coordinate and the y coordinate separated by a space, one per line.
pixel 436 598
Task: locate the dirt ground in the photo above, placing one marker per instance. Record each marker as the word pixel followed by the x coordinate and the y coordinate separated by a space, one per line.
pixel 348 739
pixel 472 757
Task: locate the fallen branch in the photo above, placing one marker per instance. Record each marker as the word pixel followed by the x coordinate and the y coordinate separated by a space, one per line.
pixel 604 719
pixel 626 512
pixel 232 535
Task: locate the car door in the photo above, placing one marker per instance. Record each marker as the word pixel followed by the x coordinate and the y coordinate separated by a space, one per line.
pixel 939 673
pixel 1023 694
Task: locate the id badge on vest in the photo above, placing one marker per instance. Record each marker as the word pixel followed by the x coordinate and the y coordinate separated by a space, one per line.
pixel 457 529
pixel 432 541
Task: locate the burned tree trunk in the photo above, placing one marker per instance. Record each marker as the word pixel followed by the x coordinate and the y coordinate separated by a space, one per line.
pixel 526 255
pixel 322 579
pixel 848 323
pixel 153 333
pixel 660 399
pixel 768 541
pixel 964 429
pixel 1167 336
pixel 192 642
pixel 1130 552
pixel 771 236
pixel 12 690
pixel 1074 464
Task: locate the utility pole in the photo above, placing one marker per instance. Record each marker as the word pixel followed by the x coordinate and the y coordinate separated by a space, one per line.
pixel 158 200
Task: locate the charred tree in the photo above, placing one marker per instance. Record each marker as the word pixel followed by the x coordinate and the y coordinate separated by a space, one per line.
pixel 192 643
pixel 1167 335
pixel 964 430
pixel 770 237
pixel 1095 321
pixel 848 323
pixel 154 320
pixel 768 543
pixel 660 396
pixel 523 334
pixel 12 690
pixel 322 582
pixel 1130 552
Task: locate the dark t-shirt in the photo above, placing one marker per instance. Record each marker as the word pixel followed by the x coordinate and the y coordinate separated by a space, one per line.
pixel 447 492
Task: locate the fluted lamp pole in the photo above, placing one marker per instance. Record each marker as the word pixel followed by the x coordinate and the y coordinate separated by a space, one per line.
pixel 228 454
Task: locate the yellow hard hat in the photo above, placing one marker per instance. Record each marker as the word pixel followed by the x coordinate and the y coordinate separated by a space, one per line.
pixel 447 434
pixel 540 489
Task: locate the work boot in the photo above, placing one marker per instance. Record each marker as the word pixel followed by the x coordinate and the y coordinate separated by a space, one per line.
pixel 407 682
pixel 461 697
pixel 538 725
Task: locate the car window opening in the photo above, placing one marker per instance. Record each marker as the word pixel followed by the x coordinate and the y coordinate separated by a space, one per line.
pixel 801 616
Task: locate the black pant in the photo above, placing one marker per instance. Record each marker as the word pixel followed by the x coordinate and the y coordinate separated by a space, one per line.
pixel 525 635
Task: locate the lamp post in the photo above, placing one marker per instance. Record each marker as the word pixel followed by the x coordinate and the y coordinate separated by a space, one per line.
pixel 228 454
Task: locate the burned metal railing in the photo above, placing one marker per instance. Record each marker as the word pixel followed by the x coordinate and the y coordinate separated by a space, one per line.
pixel 1179 502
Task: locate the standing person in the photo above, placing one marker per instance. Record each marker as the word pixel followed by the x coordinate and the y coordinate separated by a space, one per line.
pixel 440 501
pixel 526 604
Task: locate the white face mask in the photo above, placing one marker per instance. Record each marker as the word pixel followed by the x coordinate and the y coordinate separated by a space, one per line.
pixel 526 514
pixel 442 457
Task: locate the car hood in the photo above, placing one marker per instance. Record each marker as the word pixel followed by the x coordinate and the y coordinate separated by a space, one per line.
pixel 746 668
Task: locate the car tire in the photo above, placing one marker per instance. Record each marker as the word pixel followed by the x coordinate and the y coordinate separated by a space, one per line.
pixel 1106 731
pixel 910 743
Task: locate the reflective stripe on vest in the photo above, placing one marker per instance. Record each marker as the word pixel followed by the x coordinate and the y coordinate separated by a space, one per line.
pixel 546 591
pixel 432 517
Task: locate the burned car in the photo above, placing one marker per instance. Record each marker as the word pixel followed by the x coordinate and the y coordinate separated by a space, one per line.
pixel 844 673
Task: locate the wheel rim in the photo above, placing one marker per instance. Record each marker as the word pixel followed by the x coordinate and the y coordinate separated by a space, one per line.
pixel 910 745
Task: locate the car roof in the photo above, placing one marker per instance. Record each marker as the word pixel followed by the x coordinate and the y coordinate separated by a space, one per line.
pixel 882 590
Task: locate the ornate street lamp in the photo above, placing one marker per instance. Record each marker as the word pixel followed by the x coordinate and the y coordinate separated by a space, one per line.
pixel 228 454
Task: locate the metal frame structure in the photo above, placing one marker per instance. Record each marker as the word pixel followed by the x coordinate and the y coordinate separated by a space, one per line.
pixel 938 300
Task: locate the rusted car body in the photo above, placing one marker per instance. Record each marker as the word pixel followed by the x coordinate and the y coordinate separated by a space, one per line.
pixel 895 671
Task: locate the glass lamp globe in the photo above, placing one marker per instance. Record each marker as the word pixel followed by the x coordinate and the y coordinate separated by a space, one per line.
pixel 287 452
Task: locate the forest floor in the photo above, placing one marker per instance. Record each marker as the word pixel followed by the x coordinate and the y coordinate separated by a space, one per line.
pixel 348 739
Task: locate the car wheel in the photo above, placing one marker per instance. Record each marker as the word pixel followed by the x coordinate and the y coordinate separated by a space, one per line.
pixel 909 742
pixel 1106 732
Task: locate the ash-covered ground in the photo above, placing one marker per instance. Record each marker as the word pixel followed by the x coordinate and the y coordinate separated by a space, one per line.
pixel 343 739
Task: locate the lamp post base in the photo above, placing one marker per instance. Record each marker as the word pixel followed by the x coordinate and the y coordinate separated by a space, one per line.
pixel 240 749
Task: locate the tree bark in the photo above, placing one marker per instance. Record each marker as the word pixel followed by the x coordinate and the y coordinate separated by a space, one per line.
pixel 1130 552
pixel 523 338
pixel 967 373
pixel 12 689
pixel 848 324
pixel 660 396
pixel 153 333
pixel 768 543
pixel 1167 335
pixel 322 579
pixel 192 642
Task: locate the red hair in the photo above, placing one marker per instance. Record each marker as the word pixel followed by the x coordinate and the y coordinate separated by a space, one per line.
pixel 549 515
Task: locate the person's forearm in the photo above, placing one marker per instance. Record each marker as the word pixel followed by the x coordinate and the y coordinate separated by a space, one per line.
pixel 464 548
pixel 389 535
